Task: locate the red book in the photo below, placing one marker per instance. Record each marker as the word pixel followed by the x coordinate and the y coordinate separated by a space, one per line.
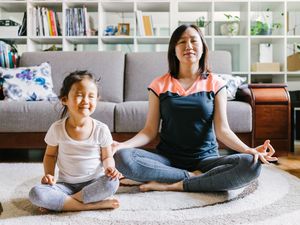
pixel 53 23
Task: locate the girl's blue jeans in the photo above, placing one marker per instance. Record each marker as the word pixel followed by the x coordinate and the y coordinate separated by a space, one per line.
pixel 53 196
pixel 219 173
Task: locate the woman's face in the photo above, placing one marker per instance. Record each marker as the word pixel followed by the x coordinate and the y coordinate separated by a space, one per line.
pixel 189 47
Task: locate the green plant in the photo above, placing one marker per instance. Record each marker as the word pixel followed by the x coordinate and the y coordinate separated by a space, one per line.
pixel 261 27
pixel 231 18
pixel 231 26
pixel 200 22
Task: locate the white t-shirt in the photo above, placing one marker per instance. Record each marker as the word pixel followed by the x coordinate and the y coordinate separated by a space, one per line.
pixel 79 161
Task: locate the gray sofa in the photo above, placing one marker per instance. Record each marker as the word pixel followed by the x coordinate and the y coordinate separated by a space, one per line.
pixel 123 88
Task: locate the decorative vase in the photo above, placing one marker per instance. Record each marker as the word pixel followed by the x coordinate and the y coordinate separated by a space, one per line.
pixel 202 30
pixel 230 28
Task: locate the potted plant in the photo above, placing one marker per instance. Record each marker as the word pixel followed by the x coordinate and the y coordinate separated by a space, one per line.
pixel 231 26
pixel 261 26
pixel 201 23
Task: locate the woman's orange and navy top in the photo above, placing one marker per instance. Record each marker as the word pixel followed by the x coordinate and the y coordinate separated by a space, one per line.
pixel 187 133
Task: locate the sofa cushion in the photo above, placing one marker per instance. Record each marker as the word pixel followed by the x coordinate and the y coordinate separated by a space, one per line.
pixel 143 67
pixel 109 66
pixel 131 116
pixel 28 83
pixel 239 116
pixel 38 116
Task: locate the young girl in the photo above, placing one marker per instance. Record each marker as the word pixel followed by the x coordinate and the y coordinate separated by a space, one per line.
pixel 81 147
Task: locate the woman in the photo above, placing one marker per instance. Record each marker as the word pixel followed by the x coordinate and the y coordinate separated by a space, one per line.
pixel 191 102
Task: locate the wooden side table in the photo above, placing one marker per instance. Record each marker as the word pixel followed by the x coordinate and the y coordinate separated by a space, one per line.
pixel 272 116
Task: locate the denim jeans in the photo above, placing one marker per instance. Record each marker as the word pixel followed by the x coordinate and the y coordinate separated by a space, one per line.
pixel 219 173
pixel 53 196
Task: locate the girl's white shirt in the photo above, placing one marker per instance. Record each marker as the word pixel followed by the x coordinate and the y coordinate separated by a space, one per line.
pixel 79 161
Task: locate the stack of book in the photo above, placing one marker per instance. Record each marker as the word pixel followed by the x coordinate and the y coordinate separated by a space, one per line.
pixel 8 56
pixel 77 22
pixel 144 24
pixel 45 22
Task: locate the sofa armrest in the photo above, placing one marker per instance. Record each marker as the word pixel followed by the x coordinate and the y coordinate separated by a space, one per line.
pixel 271 109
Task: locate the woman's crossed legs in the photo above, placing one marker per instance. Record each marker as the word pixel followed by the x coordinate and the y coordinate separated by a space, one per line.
pixel 219 173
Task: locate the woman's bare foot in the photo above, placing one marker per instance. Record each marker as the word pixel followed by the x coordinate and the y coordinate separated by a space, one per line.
pixel 72 204
pixel 107 204
pixel 195 173
pixel 156 186
pixel 129 182
pixel 44 210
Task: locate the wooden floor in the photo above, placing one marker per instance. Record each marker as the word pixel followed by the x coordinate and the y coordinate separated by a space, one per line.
pixel 291 163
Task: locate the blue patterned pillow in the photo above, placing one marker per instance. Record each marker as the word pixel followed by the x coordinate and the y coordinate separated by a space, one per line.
pixel 28 83
pixel 232 84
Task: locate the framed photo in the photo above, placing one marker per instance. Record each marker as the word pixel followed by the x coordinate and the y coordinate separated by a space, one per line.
pixel 123 28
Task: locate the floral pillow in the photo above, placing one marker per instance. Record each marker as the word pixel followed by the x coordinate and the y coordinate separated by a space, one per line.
pixel 232 84
pixel 28 83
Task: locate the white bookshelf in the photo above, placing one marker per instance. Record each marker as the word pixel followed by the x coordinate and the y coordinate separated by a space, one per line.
pixel 166 16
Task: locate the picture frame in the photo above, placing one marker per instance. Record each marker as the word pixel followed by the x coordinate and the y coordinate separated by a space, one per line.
pixel 123 28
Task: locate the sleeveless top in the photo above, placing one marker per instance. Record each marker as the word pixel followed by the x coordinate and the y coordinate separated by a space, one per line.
pixel 187 133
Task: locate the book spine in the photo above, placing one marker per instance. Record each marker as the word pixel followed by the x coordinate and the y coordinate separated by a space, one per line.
pixel 52 23
pixel 140 22
pixel 87 22
pixel 49 22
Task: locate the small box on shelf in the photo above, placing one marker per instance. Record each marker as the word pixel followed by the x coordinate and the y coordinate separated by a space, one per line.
pixel 9 31
pixel 265 67
pixel 293 62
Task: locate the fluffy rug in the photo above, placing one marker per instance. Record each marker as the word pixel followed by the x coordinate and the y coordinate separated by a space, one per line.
pixel 273 199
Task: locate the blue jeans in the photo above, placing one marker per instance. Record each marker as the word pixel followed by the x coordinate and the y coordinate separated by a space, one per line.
pixel 53 196
pixel 219 173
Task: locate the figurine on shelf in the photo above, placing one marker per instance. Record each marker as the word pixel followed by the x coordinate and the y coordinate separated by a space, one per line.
pixel 110 30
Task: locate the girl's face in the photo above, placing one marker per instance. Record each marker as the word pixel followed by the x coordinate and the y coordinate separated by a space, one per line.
pixel 82 98
pixel 189 47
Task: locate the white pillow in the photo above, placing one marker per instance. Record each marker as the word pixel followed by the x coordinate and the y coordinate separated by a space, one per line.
pixel 232 84
pixel 28 83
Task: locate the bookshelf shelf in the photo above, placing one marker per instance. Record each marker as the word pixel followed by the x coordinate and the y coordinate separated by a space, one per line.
pixel 117 39
pixel 165 16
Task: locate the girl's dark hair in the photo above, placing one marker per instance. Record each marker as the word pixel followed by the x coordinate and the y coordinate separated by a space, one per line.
pixel 172 58
pixel 71 79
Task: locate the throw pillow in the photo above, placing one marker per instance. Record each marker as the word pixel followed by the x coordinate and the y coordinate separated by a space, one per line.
pixel 1 88
pixel 232 84
pixel 28 83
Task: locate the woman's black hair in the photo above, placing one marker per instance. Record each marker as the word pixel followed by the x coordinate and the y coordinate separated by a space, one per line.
pixel 71 79
pixel 172 58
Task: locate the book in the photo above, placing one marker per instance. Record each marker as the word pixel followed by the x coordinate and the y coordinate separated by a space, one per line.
pixel 140 23
pixel 148 25
pixel 40 21
pixel 45 22
pixel 49 22
pixel 52 23
pixel 57 24
pixel 34 22
pixel 87 22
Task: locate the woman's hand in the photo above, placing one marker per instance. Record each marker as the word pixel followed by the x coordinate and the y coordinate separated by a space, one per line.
pixel 113 173
pixel 261 152
pixel 48 179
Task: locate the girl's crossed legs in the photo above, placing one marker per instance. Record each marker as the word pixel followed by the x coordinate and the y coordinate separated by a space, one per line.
pixel 219 173
pixel 74 197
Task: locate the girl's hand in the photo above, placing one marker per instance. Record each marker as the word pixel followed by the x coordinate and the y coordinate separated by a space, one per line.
pixel 260 152
pixel 113 173
pixel 48 179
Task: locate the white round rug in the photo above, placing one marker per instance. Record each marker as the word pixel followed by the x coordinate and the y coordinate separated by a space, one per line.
pixel 272 196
